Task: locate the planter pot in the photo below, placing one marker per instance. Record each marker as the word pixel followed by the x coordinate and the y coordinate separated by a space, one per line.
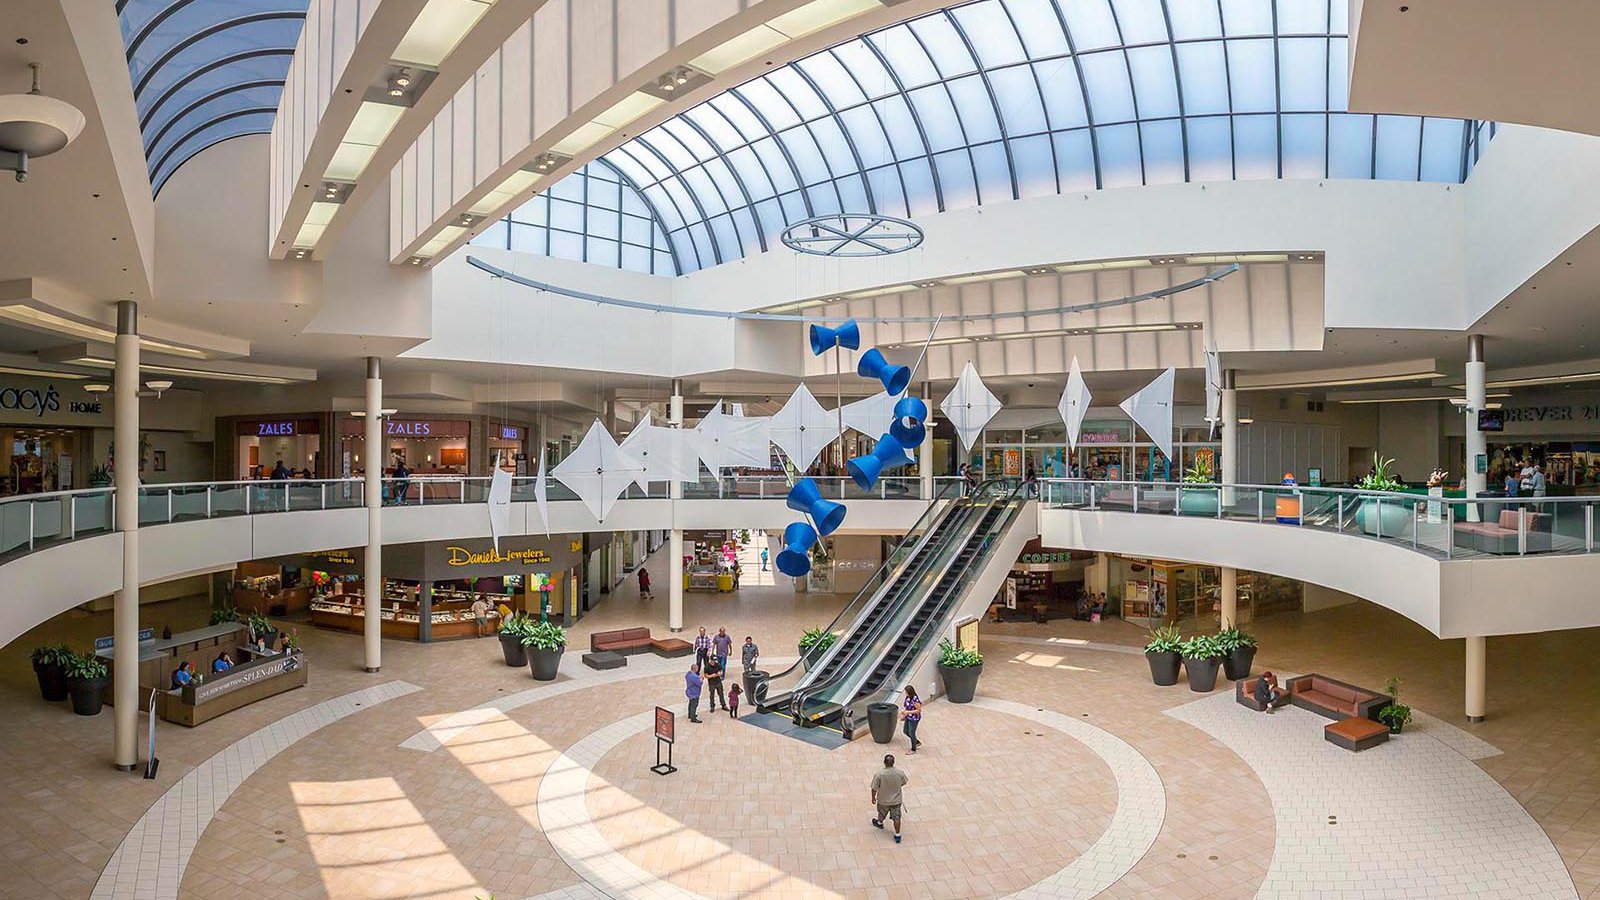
pixel 52 682
pixel 1396 728
pixel 960 684
pixel 880 720
pixel 511 646
pixel 1202 673
pixel 1236 665
pixel 271 634
pixel 86 699
pixel 1198 502
pixel 543 663
pixel 1395 518
pixel 1163 667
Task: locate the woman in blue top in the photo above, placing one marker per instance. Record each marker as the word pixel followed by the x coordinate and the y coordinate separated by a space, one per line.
pixel 183 676
pixel 911 715
pixel 222 663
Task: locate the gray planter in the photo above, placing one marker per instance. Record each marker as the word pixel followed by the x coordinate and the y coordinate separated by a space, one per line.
pixel 880 720
pixel 52 682
pixel 1236 665
pixel 511 647
pixel 960 684
pixel 1395 519
pixel 87 695
pixel 1198 501
pixel 543 663
pixel 1202 673
pixel 1163 667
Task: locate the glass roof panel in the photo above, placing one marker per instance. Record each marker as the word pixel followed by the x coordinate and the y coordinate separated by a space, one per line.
pixel 996 100
pixel 204 71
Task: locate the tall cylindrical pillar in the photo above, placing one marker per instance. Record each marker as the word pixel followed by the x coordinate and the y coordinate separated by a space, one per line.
pixel 1229 596
pixel 125 605
pixel 925 452
pixel 377 456
pixel 1477 441
pixel 675 538
pixel 1230 437
pixel 1477 678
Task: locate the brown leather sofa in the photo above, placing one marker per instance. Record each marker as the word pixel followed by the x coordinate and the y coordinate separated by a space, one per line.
pixel 1335 699
pixel 1244 694
pixel 625 641
pixel 1500 536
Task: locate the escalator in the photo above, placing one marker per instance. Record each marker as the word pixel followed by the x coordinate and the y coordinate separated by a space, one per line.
pixel 876 658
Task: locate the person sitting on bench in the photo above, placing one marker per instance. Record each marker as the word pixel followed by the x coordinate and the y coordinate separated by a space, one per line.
pixel 1268 694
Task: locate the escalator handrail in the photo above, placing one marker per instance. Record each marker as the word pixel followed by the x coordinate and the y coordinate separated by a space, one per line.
pixel 933 507
pixel 803 690
pixel 934 622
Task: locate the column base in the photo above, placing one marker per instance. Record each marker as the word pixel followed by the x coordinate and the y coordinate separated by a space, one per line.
pixel 1474 719
pixel 372 670
pixel 675 630
pixel 124 768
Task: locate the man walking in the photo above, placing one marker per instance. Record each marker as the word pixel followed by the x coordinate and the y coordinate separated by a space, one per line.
pixel 749 653
pixel 691 690
pixel 724 648
pixel 713 680
pixel 763 559
pixel 886 793
pixel 402 481
pixel 702 647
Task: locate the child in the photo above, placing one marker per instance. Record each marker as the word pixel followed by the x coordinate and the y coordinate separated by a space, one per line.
pixel 733 701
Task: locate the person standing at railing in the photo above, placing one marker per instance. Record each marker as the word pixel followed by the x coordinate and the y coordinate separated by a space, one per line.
pixel 402 481
pixel 280 472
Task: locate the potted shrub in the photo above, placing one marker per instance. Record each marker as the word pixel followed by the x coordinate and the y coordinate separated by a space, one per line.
pixel 544 642
pixel 815 641
pixel 959 669
pixel 1390 519
pixel 1162 651
pixel 49 666
pixel 1202 656
pixel 86 679
pixel 223 611
pixel 1239 651
pixel 100 477
pixel 512 630
pixel 1396 715
pixel 261 626
pixel 1198 495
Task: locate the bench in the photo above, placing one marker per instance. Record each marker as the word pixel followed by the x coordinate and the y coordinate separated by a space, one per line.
pixel 604 660
pixel 625 641
pixel 1335 699
pixel 1355 734
pixel 1500 536
pixel 671 647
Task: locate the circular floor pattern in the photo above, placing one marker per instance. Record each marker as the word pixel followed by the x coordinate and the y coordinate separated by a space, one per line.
pixel 1065 814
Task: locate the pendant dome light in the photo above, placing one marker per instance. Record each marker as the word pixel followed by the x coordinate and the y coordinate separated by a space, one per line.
pixel 33 125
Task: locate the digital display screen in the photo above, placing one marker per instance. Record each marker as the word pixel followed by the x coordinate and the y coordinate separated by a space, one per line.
pixel 1491 420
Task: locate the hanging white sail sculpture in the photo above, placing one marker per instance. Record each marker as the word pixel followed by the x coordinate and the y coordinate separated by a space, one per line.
pixel 1151 408
pixel 969 406
pixel 872 416
pixel 802 428
pixel 1074 404
pixel 1213 388
pixel 731 441
pixel 499 502
pixel 598 471
pixel 541 494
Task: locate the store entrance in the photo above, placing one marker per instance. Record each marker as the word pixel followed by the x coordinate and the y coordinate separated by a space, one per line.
pixel 44 459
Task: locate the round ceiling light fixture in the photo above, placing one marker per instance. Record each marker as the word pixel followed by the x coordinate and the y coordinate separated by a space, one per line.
pixel 158 386
pixel 33 125
pixel 852 235
pixel 96 388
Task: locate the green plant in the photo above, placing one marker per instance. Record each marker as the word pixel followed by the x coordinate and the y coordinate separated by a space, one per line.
pixel 100 476
pixel 223 611
pixel 1164 640
pixel 260 624
pixel 84 667
pixel 291 640
pixel 820 638
pixel 1395 715
pixel 545 636
pixel 953 657
pixel 1392 687
pixel 1200 472
pixel 1381 478
pixel 1203 646
pixel 51 655
pixel 516 625
pixel 1231 639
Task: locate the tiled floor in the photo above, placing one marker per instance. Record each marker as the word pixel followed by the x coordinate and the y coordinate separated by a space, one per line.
pixel 1009 792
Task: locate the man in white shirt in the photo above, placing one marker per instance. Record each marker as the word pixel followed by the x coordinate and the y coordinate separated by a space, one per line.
pixel 480 612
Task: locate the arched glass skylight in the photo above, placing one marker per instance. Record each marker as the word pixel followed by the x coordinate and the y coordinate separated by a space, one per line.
pixel 593 215
pixel 204 71
pixel 1007 99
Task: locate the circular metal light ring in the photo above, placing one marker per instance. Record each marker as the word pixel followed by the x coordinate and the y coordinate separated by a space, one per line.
pixel 852 235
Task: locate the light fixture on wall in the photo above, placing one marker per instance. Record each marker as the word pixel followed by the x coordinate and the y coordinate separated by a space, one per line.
pixel 97 388
pixel 33 125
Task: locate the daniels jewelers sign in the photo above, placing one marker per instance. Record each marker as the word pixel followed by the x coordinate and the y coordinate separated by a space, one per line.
pixel 461 556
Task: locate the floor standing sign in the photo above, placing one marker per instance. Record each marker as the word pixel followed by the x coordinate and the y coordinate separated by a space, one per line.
pixel 666 725
pixel 151 763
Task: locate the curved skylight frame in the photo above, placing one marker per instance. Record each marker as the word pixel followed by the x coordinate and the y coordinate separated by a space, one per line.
pixel 1008 99
pixel 205 71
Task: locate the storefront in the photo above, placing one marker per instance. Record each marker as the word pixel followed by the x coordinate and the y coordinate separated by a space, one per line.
pixel 508 444
pixel 295 440
pixel 1558 431
pixel 427 446
pixel 1107 449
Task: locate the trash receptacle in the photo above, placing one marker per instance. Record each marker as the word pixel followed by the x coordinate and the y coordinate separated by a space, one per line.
pixel 880 720
pixel 754 680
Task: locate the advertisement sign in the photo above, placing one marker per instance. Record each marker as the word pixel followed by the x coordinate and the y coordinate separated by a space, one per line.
pixel 1013 462
pixel 1314 476
pixel 666 720
pixel 102 644
pixel 218 685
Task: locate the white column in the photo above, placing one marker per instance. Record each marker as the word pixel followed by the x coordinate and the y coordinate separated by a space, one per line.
pixel 377 455
pixel 1477 678
pixel 1477 442
pixel 1230 437
pixel 675 539
pixel 925 454
pixel 1229 595
pixel 125 604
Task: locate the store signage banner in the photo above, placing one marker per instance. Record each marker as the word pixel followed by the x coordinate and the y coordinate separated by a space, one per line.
pixel 218 685
pixel 274 429
pixel 106 643
pixel 510 433
pixel 462 556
